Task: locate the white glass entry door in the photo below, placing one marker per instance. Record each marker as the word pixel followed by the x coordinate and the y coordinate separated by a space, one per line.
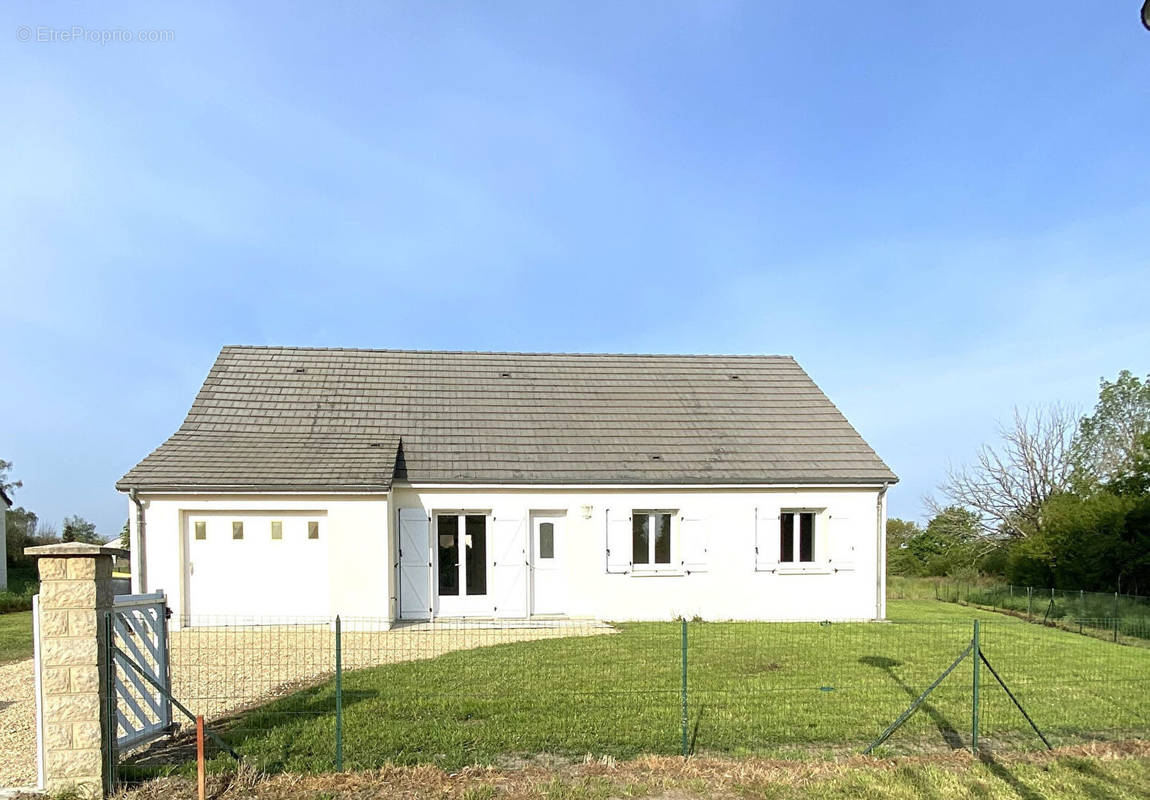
pixel 548 573
pixel 462 565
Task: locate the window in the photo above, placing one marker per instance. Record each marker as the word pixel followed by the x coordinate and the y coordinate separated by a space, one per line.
pixel 651 538
pixel 237 530
pixel 447 533
pixel 201 531
pixel 475 561
pixel 547 540
pixel 277 529
pixel 313 529
pixel 462 544
pixel 797 536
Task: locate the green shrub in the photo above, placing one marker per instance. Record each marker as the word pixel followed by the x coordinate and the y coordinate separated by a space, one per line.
pixel 18 601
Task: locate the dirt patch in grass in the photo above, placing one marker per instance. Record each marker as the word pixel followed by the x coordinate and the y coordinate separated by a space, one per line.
pixel 1122 768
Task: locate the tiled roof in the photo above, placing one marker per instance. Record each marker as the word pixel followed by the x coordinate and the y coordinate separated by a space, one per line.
pixel 295 418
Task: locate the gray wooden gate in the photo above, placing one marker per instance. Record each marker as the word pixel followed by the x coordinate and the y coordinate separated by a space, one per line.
pixel 139 644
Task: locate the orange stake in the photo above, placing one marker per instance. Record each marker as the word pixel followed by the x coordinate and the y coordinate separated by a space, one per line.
pixel 201 778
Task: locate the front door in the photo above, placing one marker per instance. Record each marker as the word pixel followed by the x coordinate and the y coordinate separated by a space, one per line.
pixel 548 575
pixel 461 565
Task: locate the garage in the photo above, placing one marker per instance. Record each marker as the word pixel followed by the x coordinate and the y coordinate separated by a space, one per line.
pixel 268 566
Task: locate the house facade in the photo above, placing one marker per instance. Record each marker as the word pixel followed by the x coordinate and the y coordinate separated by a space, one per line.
pixel 398 485
pixel 5 504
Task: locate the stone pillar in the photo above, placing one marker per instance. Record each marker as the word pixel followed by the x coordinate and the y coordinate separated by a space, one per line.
pixel 75 597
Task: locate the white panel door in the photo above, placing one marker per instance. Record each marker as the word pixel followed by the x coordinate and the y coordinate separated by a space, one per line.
pixel 509 568
pixel 549 573
pixel 256 568
pixel 414 564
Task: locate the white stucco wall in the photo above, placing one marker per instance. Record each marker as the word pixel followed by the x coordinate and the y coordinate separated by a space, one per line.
pixel 350 577
pixel 731 587
pixel 357 574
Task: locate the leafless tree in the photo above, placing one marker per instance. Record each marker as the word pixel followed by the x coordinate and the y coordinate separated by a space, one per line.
pixel 1012 479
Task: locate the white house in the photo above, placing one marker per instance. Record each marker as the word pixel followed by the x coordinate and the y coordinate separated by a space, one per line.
pixel 405 485
pixel 5 504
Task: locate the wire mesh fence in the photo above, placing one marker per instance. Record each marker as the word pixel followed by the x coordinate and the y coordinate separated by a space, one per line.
pixel 1109 614
pixel 501 692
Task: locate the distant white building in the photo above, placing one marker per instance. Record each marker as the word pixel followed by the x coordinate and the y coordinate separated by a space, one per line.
pixel 5 504
pixel 409 485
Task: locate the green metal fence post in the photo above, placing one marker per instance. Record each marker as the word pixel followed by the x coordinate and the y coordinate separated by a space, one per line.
pixel 338 697
pixel 683 697
pixel 977 653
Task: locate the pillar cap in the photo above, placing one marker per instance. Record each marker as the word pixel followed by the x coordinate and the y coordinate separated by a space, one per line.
pixel 73 550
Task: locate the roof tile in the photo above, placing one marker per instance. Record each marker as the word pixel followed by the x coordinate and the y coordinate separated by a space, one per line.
pixel 311 418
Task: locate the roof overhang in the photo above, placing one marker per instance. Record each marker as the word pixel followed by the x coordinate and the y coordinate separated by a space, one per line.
pixel 252 489
pixel 869 483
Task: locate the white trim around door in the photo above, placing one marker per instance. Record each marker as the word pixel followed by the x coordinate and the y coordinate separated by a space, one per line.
pixel 549 585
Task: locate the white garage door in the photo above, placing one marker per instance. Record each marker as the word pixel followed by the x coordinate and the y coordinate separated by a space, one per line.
pixel 248 569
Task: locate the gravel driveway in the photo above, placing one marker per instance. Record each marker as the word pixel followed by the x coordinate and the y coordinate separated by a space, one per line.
pixel 17 724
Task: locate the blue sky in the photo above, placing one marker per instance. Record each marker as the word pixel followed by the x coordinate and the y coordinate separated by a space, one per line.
pixel 942 211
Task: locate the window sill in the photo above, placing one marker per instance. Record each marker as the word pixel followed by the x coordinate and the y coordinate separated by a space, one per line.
pixel 817 569
pixel 797 569
pixel 668 572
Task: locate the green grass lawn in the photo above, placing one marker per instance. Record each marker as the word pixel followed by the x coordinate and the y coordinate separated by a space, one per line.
pixel 15 636
pixel 752 688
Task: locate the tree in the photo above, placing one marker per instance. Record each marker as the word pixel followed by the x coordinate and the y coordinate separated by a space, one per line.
pixel 947 544
pixel 899 560
pixel 1010 482
pixel 954 524
pixel 126 535
pixel 7 485
pixel 1136 480
pixel 1112 440
pixel 78 529
pixel 20 531
pixel 24 529
pixel 1097 542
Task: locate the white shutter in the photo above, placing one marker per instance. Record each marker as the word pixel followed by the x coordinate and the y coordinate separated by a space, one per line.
pixel 693 543
pixel 840 542
pixel 766 539
pixel 414 564
pixel 618 541
pixel 509 573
